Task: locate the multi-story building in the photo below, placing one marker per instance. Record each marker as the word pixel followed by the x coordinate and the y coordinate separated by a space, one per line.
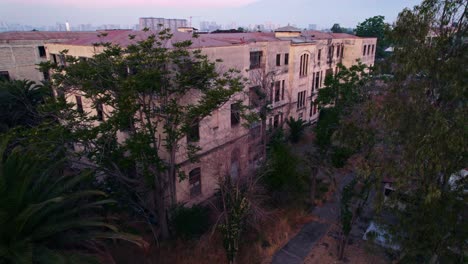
pixel 292 63
pixel 157 23
pixel 20 52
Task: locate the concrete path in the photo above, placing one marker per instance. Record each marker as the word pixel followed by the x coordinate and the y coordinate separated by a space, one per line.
pixel 297 249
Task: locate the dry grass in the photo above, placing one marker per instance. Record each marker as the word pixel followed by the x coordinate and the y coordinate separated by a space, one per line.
pixel 255 248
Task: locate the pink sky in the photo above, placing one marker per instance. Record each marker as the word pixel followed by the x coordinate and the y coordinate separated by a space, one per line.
pixel 139 3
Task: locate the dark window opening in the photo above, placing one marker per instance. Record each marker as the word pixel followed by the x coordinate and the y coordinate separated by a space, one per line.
pixel 282 91
pixel 276 121
pixel 79 104
pixel 364 51
pixel 303 67
pixel 54 58
pixel 193 134
pixel 46 75
pixel 42 52
pixel 301 96
pixel 277 91
pixel 235 114
pixel 338 51
pixel 255 59
pixel 286 59
pixel 278 59
pixel 99 112
pixel 4 76
pixel 195 182
pixel 319 55
pixel 342 51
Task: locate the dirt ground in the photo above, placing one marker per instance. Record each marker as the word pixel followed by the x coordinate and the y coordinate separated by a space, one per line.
pixel 359 252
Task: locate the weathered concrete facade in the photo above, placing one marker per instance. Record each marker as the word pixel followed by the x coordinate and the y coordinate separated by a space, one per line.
pixel 20 52
pixel 292 63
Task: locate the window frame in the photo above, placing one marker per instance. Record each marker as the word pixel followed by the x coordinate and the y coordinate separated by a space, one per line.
pixel 254 56
pixel 195 184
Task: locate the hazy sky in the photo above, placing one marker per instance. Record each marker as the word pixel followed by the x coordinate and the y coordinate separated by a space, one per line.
pixel 243 12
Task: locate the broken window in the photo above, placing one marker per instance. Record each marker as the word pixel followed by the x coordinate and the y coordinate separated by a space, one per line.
pixel 286 59
pixel 278 59
pixel 255 59
pixel 195 182
pixel 42 52
pixel 193 134
pixel 235 114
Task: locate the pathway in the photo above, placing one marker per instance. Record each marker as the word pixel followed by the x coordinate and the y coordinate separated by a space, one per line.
pixel 295 251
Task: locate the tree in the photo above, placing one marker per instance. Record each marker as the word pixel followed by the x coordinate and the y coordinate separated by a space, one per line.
pixel 158 95
pixel 375 27
pixel 47 216
pixel 336 28
pixel 418 133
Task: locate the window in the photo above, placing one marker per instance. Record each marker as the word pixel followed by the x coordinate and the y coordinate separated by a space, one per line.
pixel 277 91
pixel 193 134
pixel 316 81
pixel 276 121
pixel 319 55
pixel 286 59
pixel 63 62
pixel 304 65
pixel 373 48
pixel 278 59
pixel 99 112
pixel 195 182
pixel 338 51
pixel 330 52
pixel 46 75
pixel 301 96
pixel 79 104
pixel 342 51
pixel 364 52
pixel 4 76
pixel 254 96
pixel 282 91
pixel 235 114
pixel 321 79
pixel 368 49
pixel 328 72
pixel 54 58
pixel 255 59
pixel 42 52
pixel 315 105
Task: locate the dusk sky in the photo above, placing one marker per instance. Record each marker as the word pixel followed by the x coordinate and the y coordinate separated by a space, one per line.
pixel 243 12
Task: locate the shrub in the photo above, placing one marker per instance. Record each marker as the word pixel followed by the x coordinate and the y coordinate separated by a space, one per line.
pixel 189 222
pixel 326 126
pixel 296 129
pixel 339 156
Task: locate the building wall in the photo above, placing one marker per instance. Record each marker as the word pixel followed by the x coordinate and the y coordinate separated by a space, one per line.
pixel 235 150
pixel 20 58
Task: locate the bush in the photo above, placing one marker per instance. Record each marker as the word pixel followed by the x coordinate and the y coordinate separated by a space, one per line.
pixel 296 129
pixel 339 156
pixel 281 174
pixel 189 222
pixel 326 126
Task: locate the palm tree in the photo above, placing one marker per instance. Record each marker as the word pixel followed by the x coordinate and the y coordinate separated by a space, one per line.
pixel 48 217
pixel 19 101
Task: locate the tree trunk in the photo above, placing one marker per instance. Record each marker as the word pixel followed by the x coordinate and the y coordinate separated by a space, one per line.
pixel 162 214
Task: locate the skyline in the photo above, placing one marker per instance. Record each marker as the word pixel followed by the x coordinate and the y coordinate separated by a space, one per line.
pixel 241 12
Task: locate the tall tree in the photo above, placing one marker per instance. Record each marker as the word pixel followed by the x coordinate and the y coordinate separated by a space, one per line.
pixel 375 27
pixel 336 28
pixel 157 93
pixel 418 132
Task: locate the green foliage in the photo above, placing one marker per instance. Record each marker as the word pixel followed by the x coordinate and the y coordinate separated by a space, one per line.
pixel 156 96
pixel 20 102
pixel 190 222
pixel 375 27
pixel 339 156
pixel 296 129
pixel 47 217
pixel 326 126
pixel 282 174
pixel 336 28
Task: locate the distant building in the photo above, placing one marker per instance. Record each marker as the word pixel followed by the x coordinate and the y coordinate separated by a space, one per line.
pixel 209 26
pixel 157 23
pixel 312 27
